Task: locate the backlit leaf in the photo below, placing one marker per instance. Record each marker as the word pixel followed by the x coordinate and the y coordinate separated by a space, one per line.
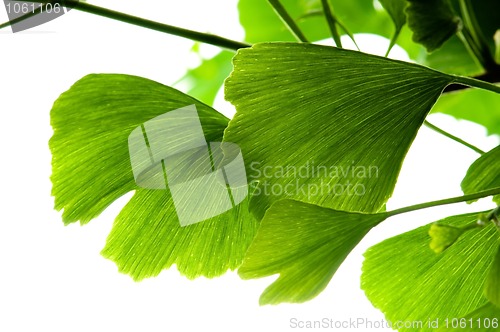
pixel 347 117
pixel 407 281
pixel 305 244
pixel 92 122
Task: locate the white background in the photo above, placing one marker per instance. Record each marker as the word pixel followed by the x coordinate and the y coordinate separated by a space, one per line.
pixel 52 277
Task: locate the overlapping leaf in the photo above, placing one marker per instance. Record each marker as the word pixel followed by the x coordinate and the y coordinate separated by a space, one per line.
pixel 405 279
pixel 432 21
pixel 91 169
pixel 484 174
pixel 305 244
pixel 324 102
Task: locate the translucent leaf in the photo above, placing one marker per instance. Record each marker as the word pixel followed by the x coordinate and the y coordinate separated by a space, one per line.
pixel 492 289
pixel 432 22
pixel 405 279
pixel 91 168
pixel 147 238
pixel 346 116
pixel 484 174
pixel 305 244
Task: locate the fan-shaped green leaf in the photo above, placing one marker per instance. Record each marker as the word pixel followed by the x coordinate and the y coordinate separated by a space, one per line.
pixel 92 122
pixel 347 117
pixel 483 174
pixel 305 244
pixel 405 279
pixel 147 238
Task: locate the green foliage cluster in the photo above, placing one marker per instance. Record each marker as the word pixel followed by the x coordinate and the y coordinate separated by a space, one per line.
pixel 299 102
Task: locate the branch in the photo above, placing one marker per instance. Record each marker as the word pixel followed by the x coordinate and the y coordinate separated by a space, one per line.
pixel 453 137
pixel 288 20
pixel 138 21
pixel 452 200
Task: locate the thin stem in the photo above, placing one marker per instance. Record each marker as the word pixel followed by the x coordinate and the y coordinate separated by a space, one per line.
pixel 148 24
pixel 452 200
pixel 469 81
pixel 453 137
pixel 347 32
pixel 288 20
pixel 332 22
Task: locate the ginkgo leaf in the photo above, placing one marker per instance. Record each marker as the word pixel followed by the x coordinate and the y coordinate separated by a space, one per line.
pixel 146 238
pixel 336 127
pixel 305 244
pixel 92 122
pixel 483 174
pixel 407 281
pixel 492 288
pixel 432 21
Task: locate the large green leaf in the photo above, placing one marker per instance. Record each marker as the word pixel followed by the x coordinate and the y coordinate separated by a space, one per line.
pixel 484 174
pixel 92 122
pixel 405 279
pixel 474 105
pixel 305 244
pixel 432 22
pixel 347 116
